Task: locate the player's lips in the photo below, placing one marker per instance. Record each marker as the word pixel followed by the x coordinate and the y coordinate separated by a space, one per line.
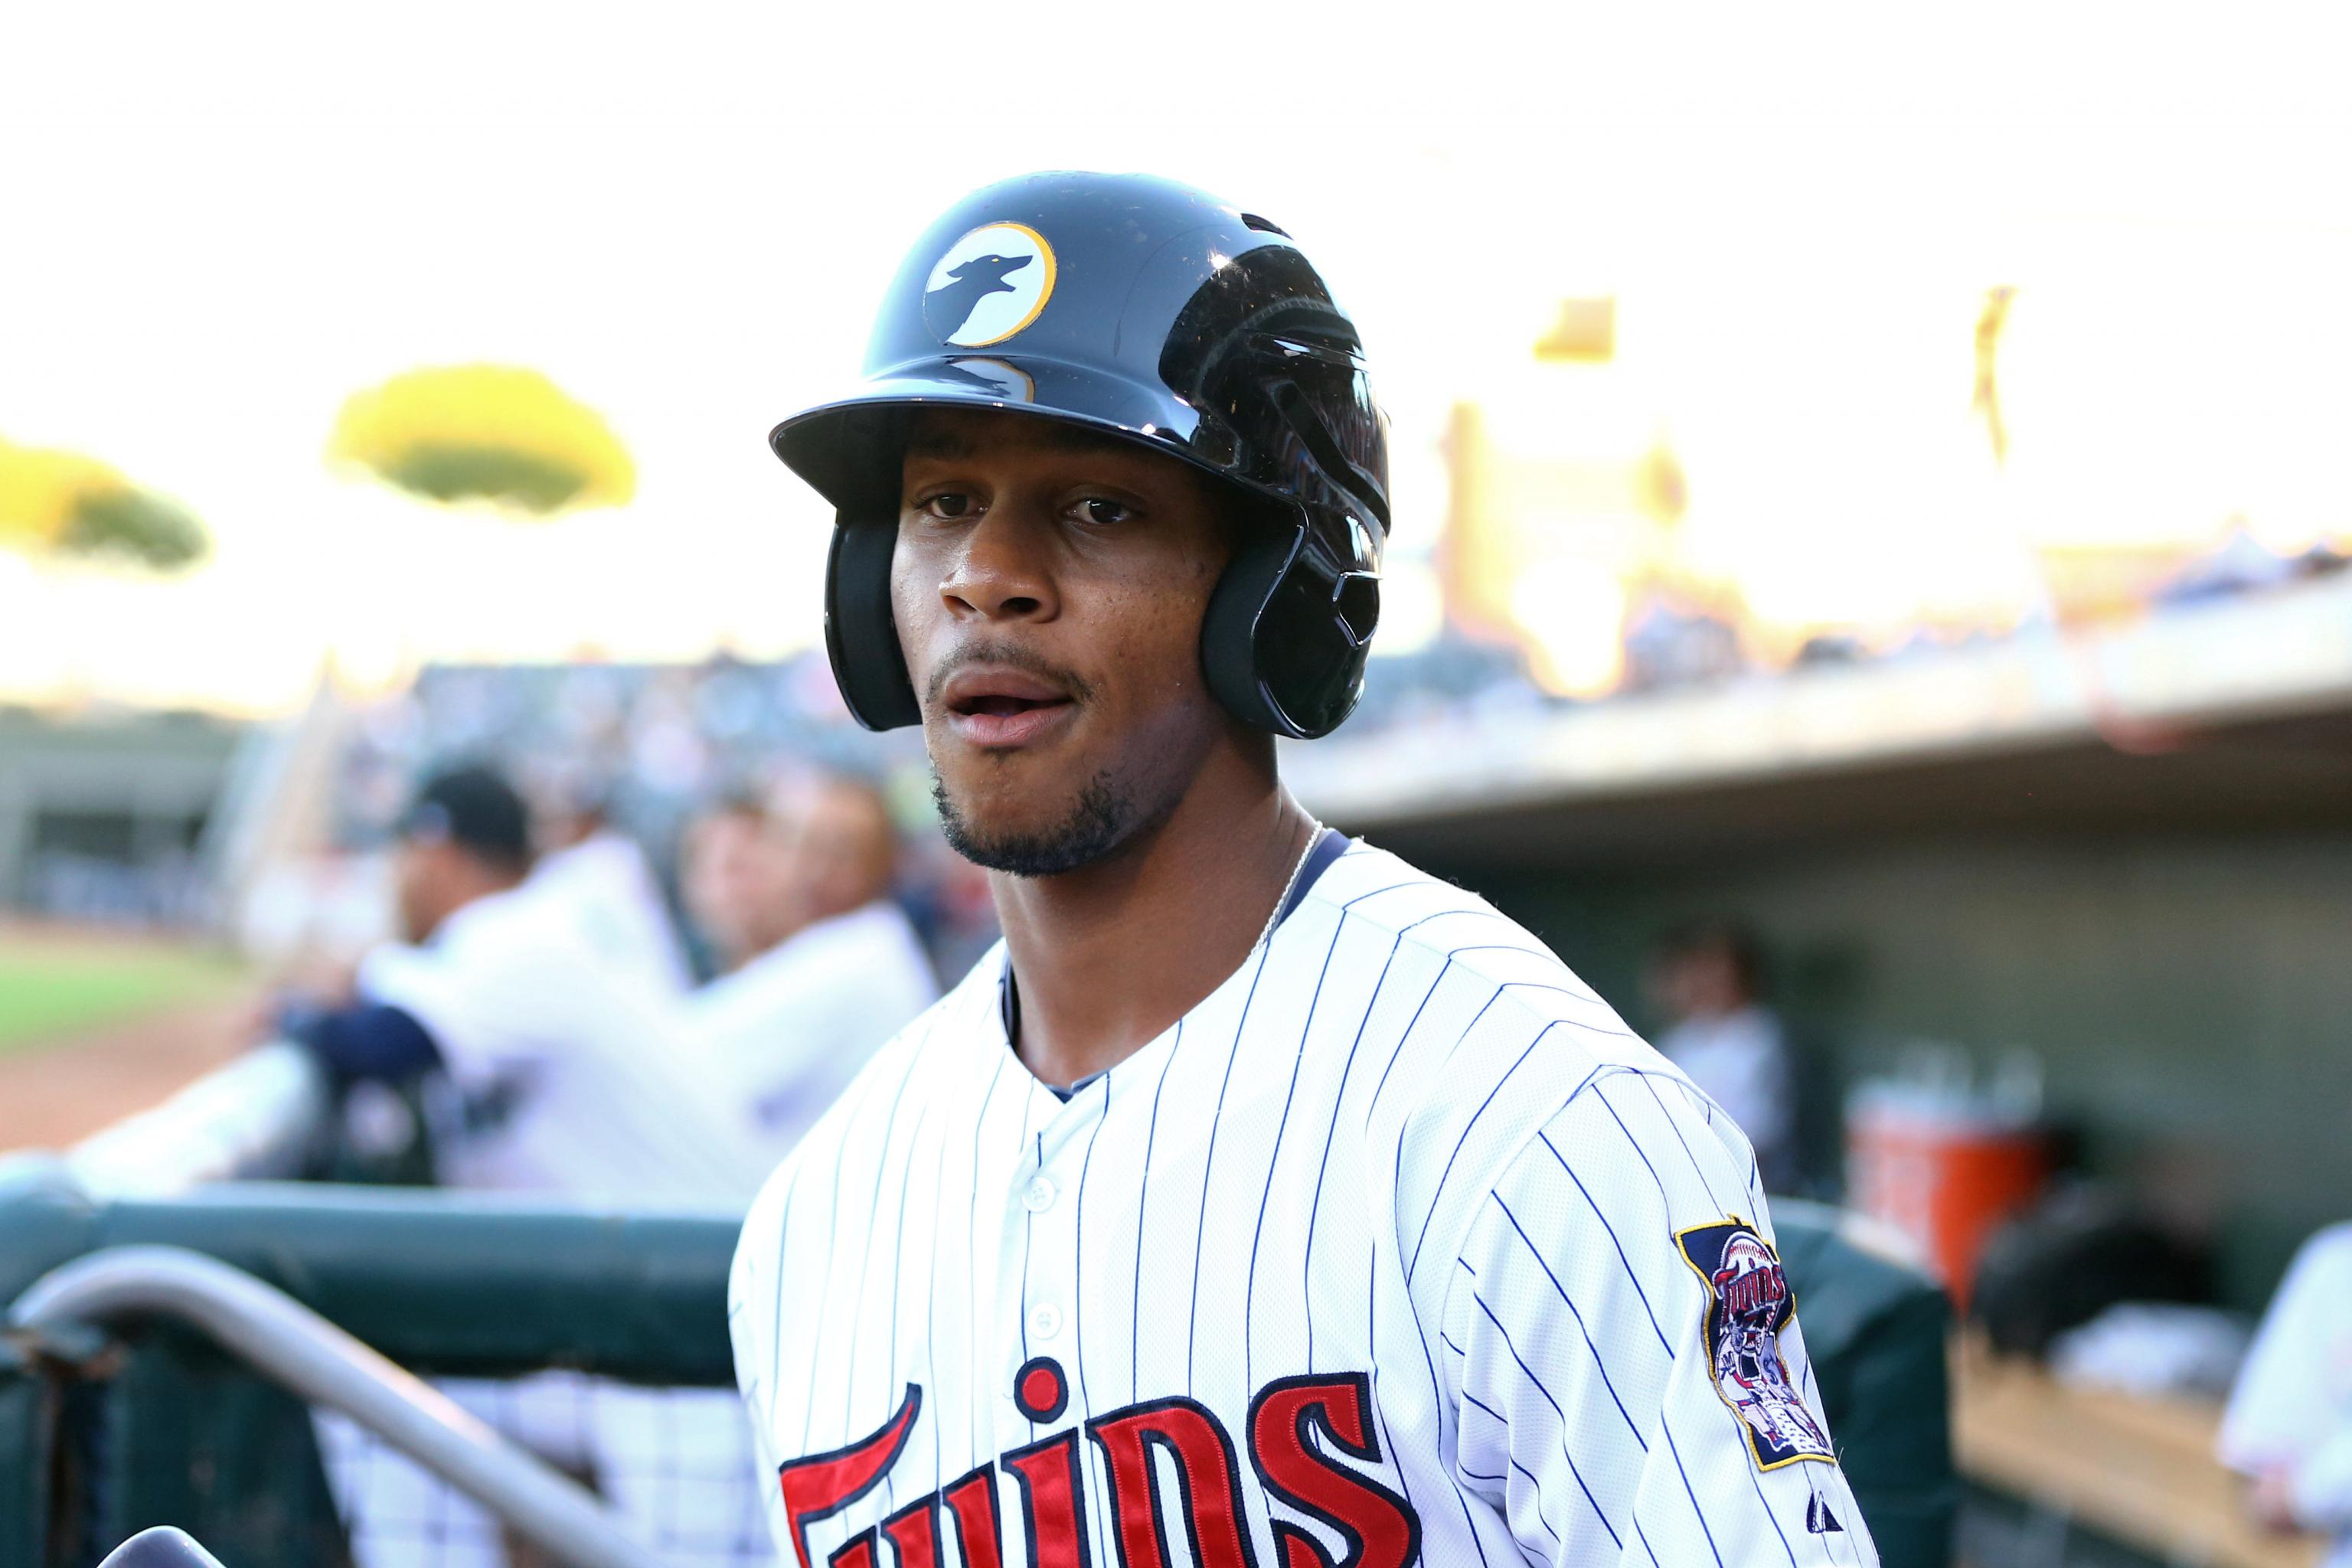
pixel 998 707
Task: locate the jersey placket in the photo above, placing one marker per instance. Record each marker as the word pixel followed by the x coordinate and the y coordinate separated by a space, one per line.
pixel 1037 1282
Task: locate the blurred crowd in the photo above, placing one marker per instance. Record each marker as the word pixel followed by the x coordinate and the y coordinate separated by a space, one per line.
pixel 2241 563
pixel 1676 639
pixel 536 1000
pixel 640 752
pixel 649 745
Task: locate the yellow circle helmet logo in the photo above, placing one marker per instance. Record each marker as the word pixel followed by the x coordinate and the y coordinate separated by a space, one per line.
pixel 991 284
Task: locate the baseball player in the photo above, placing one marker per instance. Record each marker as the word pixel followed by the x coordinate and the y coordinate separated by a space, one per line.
pixel 1260 1199
pixel 823 964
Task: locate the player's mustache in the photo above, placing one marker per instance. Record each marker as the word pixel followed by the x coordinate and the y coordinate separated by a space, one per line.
pixel 1013 656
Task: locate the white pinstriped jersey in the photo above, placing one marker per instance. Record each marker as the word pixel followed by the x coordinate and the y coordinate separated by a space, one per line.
pixel 1400 1246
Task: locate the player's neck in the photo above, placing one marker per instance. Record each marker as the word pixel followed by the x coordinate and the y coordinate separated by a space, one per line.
pixel 1107 958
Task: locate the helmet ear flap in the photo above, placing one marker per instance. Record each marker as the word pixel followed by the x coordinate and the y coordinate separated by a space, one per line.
pixel 1288 627
pixel 1230 649
pixel 860 636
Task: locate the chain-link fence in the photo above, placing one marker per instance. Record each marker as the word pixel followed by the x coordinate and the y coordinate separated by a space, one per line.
pixel 673 1464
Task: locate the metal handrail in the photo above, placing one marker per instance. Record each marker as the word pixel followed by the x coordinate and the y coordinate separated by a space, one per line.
pixel 311 1357
pixel 259 1116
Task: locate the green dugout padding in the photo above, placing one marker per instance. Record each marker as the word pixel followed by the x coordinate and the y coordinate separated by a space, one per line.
pixel 106 1436
pixel 438 1281
pixel 1877 1332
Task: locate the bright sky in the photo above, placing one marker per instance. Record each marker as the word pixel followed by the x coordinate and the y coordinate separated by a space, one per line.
pixel 221 219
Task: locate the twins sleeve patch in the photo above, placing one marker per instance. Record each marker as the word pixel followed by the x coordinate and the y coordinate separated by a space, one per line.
pixel 1748 1304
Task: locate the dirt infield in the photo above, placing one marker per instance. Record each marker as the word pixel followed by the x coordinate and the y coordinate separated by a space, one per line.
pixel 51 1095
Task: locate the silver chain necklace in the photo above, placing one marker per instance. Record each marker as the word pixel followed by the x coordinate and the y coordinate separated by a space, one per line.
pixel 1314 835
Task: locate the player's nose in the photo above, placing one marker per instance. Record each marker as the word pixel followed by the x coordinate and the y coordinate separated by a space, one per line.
pixel 1003 570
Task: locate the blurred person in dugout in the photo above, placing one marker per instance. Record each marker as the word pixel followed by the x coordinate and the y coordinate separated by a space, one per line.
pixel 599 879
pixel 819 964
pixel 1707 982
pixel 572 1077
pixel 576 1084
pixel 2289 1426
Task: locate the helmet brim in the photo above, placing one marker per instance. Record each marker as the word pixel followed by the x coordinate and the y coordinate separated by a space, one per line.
pixel 849 448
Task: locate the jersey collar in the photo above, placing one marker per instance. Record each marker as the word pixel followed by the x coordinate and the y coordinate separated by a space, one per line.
pixel 1328 848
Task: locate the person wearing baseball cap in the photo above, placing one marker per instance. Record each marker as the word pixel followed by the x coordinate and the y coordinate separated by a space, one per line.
pixel 494 988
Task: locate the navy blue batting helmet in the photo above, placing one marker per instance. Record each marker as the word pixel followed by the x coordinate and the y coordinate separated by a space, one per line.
pixel 1155 313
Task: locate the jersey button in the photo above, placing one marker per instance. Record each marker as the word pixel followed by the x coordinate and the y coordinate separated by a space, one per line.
pixel 1039 1197
pixel 1044 1321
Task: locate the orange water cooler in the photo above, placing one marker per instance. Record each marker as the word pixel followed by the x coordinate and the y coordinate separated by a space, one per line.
pixel 1945 1170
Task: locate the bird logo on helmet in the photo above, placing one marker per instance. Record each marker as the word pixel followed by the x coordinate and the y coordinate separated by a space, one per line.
pixel 1153 312
pixel 961 297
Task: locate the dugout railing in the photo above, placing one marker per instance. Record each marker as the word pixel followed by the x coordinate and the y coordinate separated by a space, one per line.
pixel 106 1428
pixel 160 1409
pixel 307 1356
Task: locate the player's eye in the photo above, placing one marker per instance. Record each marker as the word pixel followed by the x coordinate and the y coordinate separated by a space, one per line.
pixel 1104 512
pixel 947 505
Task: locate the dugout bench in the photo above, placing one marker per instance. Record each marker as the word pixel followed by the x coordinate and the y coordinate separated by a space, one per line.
pixel 2048 1465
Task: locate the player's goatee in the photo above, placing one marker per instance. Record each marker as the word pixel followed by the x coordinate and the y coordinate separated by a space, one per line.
pixel 1099 821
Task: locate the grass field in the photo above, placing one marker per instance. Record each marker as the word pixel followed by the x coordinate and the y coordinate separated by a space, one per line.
pixel 56 986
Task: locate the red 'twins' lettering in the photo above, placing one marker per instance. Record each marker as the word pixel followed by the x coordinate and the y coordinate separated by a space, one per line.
pixel 973 1502
pixel 1205 1466
pixel 1380 1528
pixel 1299 1430
pixel 821 1485
pixel 1053 1502
pixel 914 1531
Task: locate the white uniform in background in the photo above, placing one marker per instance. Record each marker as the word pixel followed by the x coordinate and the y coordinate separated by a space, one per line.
pixel 785 1032
pixel 1399 1243
pixel 2293 1404
pixel 791 1028
pixel 604 885
pixel 594 1097
pixel 1740 1060
pixel 597 1097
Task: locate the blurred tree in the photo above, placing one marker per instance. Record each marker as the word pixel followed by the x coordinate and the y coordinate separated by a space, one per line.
pixel 57 504
pixel 493 433
pixel 138 526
